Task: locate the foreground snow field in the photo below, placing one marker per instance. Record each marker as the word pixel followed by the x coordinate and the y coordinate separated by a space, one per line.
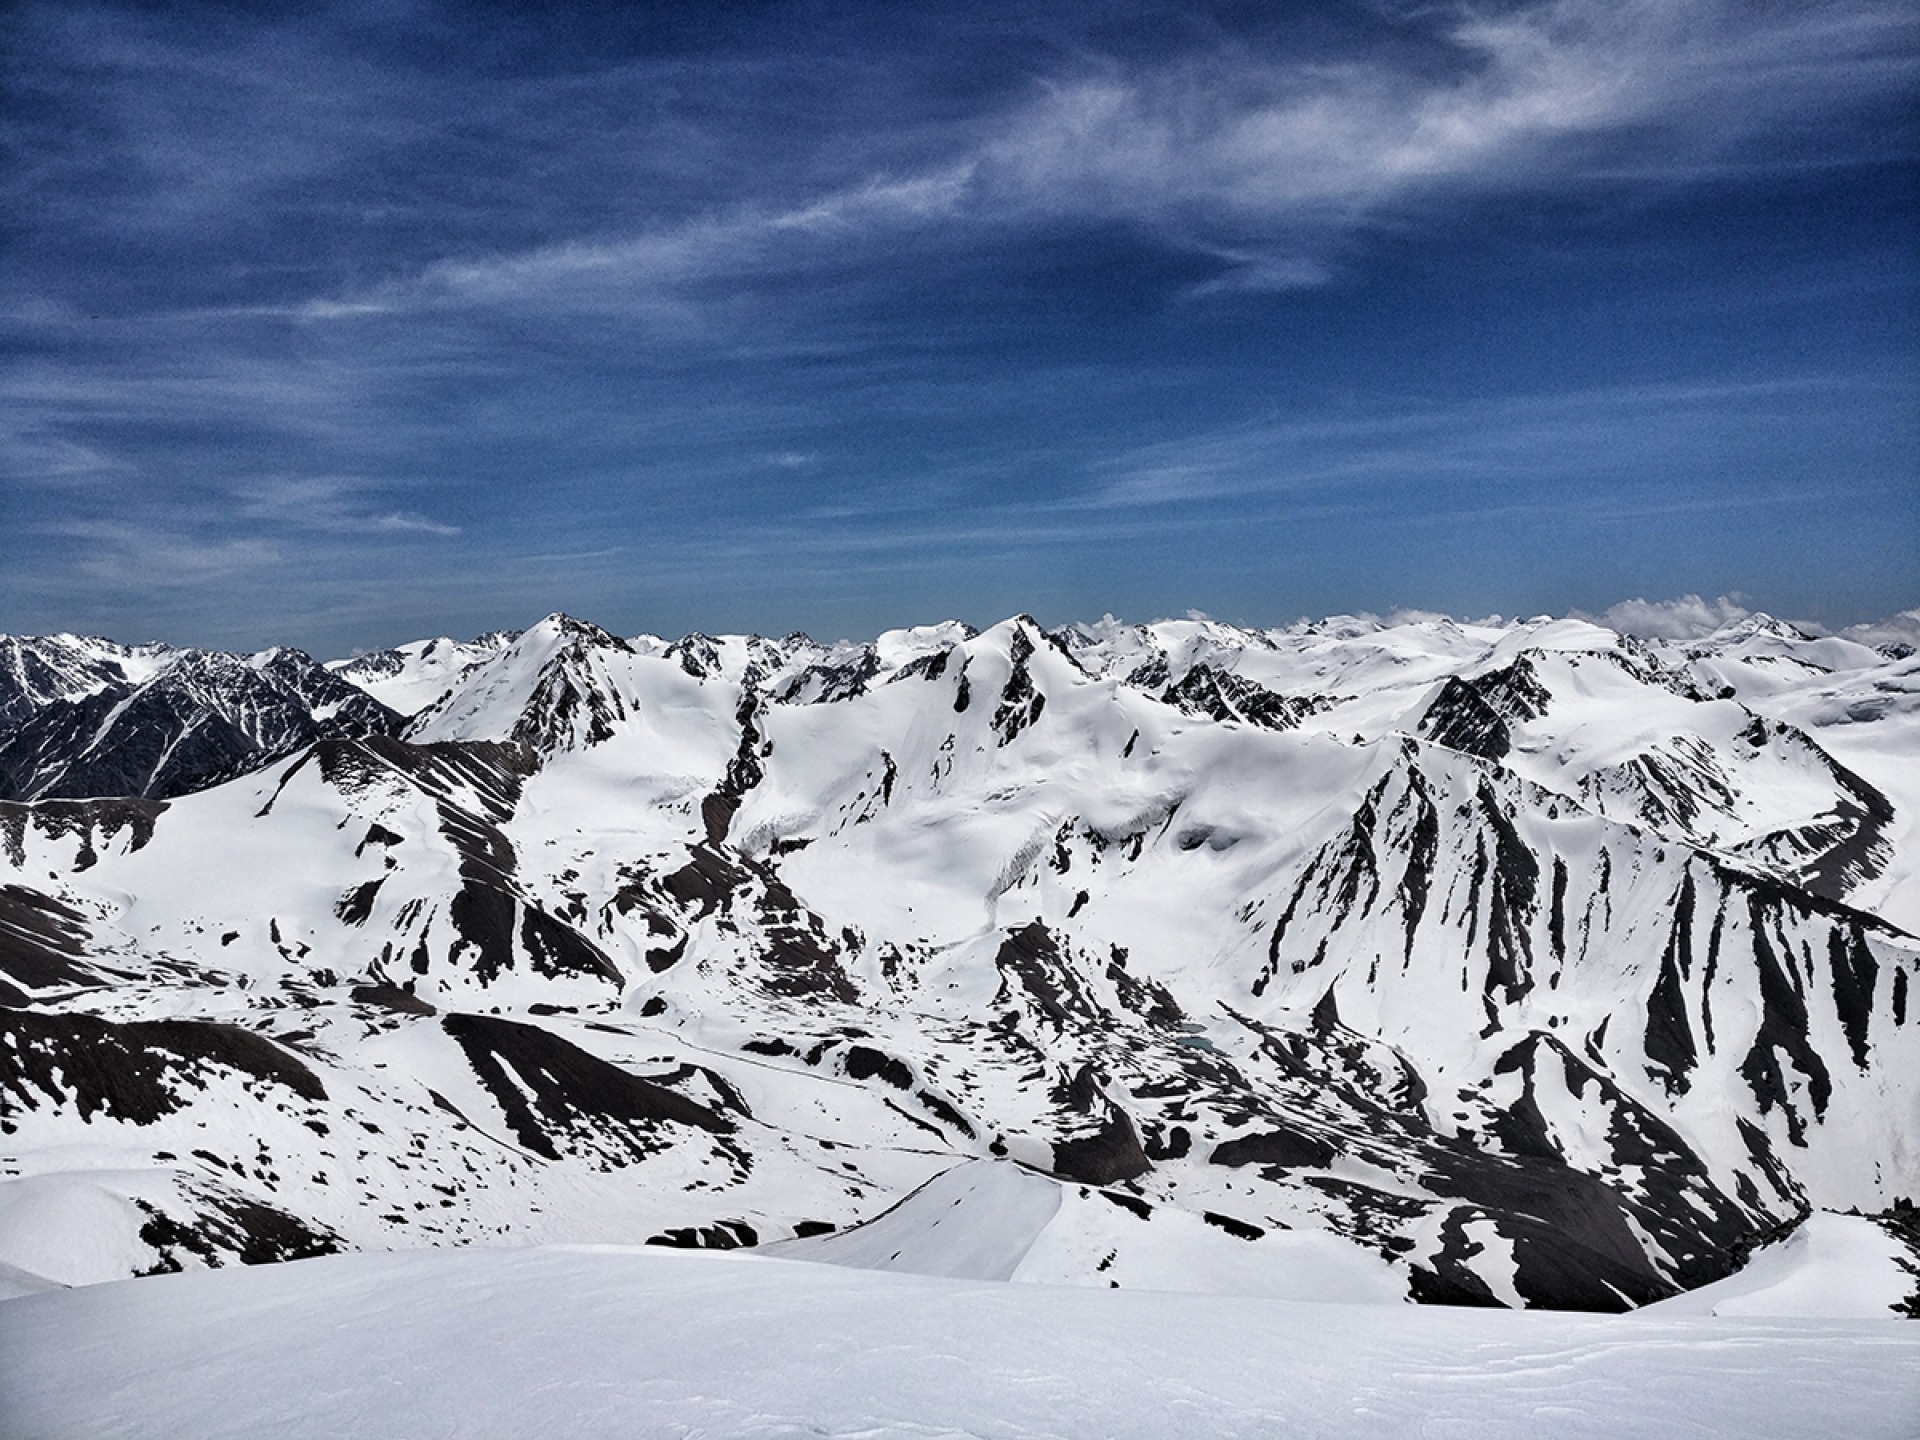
pixel 579 1341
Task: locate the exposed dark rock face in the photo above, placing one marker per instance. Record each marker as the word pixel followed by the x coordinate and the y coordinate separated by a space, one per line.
pixel 1286 1148
pixel 495 924
pixel 1847 846
pixel 1475 715
pixel 927 667
pixel 800 957
pixel 37 671
pixel 1032 959
pixel 559 1095
pixel 1461 719
pixel 831 681
pixel 1669 1038
pixel 1106 1154
pixel 43 945
pixel 697 654
pixel 225 1225
pixel 91 824
pixel 206 717
pixel 1222 695
pixel 863 1062
pixel 475 787
pixel 138 1071
pixel 391 997
pixel 1020 703
pixel 1677 1202
pixel 744 771
pixel 727 1235
pixel 571 705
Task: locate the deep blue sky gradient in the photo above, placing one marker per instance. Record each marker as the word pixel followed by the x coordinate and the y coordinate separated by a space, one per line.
pixel 353 323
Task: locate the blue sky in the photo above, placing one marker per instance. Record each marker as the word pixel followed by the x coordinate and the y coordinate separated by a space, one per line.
pixel 340 325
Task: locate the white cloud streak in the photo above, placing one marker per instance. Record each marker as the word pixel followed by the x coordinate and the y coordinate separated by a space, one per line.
pixel 141 559
pixel 1283 157
pixel 655 270
pixel 1268 164
pixel 1586 434
pixel 328 504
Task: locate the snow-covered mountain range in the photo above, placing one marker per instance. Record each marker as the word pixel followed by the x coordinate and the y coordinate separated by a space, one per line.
pixel 86 717
pixel 1519 963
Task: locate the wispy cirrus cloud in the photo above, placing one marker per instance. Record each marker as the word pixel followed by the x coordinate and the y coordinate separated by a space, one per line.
pixel 1267 164
pixel 1262 162
pixel 1528 440
pixel 657 268
pixel 1531 96
pixel 123 556
pixel 1075 291
pixel 331 504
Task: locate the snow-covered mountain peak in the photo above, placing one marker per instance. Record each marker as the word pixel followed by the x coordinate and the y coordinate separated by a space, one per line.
pixel 560 683
pixel 560 631
pixel 410 677
pixel 1548 634
pixel 38 670
pixel 896 649
pixel 1345 627
pixel 1757 626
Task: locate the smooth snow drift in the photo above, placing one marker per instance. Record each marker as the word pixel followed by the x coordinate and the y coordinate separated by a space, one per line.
pixel 994 1220
pixel 565 1342
pixel 1832 1266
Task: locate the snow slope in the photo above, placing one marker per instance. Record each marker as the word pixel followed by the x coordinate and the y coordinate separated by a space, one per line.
pixel 573 1341
pixel 410 677
pixel 1840 1266
pixel 993 1220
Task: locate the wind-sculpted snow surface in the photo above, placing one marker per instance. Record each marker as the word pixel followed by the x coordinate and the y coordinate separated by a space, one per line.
pixel 1519 964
